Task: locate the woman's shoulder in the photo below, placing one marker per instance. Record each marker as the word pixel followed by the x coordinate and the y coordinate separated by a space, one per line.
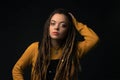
pixel 34 44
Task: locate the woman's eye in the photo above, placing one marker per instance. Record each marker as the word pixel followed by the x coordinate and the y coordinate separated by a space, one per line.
pixel 63 25
pixel 52 23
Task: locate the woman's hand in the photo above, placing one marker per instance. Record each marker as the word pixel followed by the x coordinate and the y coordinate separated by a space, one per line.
pixel 73 18
pixel 78 25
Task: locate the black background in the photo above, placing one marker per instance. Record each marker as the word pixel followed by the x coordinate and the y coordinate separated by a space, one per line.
pixel 22 23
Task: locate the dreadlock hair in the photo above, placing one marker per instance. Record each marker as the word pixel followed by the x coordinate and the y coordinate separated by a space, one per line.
pixel 69 52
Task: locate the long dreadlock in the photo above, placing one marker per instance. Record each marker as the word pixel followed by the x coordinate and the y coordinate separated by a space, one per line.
pixel 69 52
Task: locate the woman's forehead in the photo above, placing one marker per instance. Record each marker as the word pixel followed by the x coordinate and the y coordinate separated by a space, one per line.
pixel 59 17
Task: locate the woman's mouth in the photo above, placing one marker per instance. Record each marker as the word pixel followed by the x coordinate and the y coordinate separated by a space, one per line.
pixel 55 33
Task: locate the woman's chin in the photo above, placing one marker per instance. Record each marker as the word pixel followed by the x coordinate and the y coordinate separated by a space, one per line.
pixel 55 38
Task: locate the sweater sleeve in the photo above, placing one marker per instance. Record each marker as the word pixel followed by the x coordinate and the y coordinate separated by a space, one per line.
pixel 90 37
pixel 24 61
pixel 90 40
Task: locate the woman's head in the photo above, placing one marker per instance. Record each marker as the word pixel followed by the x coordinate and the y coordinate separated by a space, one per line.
pixel 59 25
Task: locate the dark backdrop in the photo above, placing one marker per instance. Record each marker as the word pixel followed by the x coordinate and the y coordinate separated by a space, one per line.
pixel 22 23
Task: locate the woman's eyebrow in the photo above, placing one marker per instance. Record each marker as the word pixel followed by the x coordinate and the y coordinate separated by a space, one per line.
pixel 52 21
pixel 60 21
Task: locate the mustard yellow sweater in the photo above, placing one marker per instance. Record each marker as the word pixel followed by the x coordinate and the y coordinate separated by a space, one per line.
pixel 30 55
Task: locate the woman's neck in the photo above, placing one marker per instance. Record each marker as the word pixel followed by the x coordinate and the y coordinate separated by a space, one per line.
pixel 56 43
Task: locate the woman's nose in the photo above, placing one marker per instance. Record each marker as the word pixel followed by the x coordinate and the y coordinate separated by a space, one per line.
pixel 56 27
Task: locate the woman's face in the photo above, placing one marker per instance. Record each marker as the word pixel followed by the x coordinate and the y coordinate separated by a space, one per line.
pixel 58 26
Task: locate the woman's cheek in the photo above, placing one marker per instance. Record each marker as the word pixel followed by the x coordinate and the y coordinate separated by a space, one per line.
pixel 63 33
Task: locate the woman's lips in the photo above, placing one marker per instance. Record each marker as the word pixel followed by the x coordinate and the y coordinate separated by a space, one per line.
pixel 55 33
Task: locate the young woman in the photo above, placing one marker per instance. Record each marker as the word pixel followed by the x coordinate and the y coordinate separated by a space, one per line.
pixel 57 56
